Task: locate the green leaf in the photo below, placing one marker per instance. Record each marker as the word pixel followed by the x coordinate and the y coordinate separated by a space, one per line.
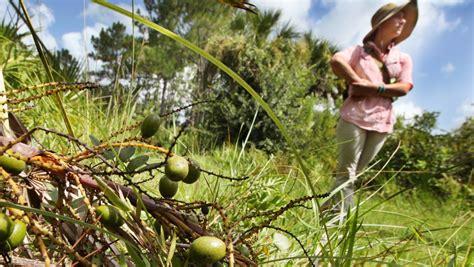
pixel 172 249
pixel 126 153
pixel 122 261
pixel 137 162
pixel 353 228
pixel 452 262
pixel 111 195
pixel 78 204
pixel 94 140
pixel 109 154
pixel 136 256
pixel 139 206
pixel 393 264
pixel 150 166
pixel 470 258
pixel 151 190
pixel 162 235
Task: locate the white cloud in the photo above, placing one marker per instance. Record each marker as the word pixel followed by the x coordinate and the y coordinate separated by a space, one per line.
pixel 294 11
pixel 434 17
pixel 105 16
pixel 347 22
pixel 78 43
pixel 466 110
pixel 80 47
pixel 432 23
pixel 42 18
pixel 448 68
pixel 445 25
pixel 406 109
pixel 73 42
pixel 445 2
pixel 3 8
pixel 7 13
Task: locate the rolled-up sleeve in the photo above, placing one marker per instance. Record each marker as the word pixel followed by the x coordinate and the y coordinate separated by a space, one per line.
pixel 406 69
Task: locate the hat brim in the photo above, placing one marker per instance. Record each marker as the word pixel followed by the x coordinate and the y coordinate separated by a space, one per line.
pixel 410 11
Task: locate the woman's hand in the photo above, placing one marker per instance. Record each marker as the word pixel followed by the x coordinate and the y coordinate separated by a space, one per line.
pixel 363 88
pixel 368 88
pixel 365 84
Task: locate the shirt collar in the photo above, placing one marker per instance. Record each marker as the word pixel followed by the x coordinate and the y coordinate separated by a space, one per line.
pixel 370 48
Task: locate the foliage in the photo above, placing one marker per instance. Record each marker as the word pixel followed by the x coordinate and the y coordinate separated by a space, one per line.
pixel 20 66
pixel 398 228
pixel 462 150
pixel 155 69
pixel 433 162
pixel 65 66
pixel 278 67
pixel 113 48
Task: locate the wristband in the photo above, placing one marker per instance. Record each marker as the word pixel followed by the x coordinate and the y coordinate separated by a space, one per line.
pixel 380 89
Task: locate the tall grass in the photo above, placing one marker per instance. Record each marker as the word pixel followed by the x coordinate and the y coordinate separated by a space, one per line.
pixel 229 72
pixel 404 228
pixel 389 227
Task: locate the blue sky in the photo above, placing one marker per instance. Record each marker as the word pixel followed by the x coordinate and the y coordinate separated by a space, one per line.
pixel 441 45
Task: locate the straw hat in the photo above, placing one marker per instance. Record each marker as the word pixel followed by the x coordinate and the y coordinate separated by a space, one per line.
pixel 387 11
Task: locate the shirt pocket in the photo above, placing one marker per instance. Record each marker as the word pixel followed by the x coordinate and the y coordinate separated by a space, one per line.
pixel 394 69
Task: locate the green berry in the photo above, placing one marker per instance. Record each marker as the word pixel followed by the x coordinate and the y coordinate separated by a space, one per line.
pixel 16 237
pixel 167 187
pixel 176 168
pixel 193 173
pixel 6 227
pixel 207 250
pixel 150 125
pixel 109 215
pixel 12 165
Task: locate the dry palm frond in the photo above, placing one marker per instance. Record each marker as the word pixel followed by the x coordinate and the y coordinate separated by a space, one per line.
pixel 242 4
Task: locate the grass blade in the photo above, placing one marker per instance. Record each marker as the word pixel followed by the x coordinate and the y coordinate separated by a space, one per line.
pixel 41 52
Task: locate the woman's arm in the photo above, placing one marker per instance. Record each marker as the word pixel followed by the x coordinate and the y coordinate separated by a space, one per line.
pixel 343 69
pixel 362 87
pixel 367 88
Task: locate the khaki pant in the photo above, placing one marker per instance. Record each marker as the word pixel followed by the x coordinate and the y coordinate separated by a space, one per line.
pixel 356 148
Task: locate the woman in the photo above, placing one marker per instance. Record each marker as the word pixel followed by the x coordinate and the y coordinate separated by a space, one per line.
pixel 376 73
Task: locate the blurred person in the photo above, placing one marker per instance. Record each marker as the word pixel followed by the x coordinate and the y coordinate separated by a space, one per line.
pixel 376 73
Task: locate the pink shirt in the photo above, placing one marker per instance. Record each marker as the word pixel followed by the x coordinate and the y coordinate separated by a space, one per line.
pixel 374 113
